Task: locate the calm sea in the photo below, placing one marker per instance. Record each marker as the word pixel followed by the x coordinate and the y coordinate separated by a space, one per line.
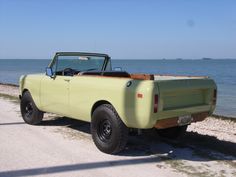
pixel 222 71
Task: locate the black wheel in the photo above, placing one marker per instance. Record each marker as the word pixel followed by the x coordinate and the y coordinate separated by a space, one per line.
pixel 173 132
pixel 30 113
pixel 109 133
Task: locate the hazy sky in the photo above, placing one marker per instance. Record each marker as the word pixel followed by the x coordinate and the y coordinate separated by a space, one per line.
pixel 123 28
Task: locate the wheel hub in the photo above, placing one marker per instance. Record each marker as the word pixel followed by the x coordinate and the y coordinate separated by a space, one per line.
pixel 28 110
pixel 105 130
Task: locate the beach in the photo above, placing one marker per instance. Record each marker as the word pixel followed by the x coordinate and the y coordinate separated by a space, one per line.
pixel 208 148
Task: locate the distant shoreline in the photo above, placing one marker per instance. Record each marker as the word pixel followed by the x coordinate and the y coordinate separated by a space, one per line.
pixel 12 90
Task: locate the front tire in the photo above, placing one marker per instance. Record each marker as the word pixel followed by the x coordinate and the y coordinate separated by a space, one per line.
pixel 29 111
pixel 109 133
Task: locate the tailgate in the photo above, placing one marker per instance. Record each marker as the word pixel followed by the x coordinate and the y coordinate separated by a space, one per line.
pixel 184 96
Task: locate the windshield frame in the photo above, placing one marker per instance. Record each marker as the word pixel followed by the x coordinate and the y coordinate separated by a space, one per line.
pixel 104 66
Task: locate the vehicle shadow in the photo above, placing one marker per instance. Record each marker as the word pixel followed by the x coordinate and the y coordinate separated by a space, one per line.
pixel 192 146
pixel 79 125
pixel 78 167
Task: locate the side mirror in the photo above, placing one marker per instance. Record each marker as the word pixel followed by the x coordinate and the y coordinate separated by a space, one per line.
pixel 49 72
pixel 117 69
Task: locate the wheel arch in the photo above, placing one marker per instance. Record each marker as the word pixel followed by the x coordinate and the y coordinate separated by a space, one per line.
pixel 25 90
pixel 97 104
pixel 111 142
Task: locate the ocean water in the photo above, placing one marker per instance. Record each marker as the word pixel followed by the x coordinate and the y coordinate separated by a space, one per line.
pixel 222 71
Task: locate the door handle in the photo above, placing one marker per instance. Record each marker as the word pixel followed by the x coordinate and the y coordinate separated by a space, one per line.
pixel 67 80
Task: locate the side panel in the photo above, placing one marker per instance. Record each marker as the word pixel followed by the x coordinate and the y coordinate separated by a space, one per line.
pixel 85 91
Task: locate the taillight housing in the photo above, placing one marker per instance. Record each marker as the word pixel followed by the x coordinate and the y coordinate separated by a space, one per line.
pixel 155 107
pixel 214 96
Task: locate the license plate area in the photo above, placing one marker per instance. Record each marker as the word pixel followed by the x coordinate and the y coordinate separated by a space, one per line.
pixel 185 120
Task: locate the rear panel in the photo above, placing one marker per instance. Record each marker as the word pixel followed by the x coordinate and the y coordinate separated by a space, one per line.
pixel 184 97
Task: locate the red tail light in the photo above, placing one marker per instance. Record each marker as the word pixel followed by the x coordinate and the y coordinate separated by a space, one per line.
pixel 214 96
pixel 155 103
pixel 140 95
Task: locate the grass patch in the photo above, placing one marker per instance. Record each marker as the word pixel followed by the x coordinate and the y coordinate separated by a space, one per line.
pixel 215 157
pixel 182 167
pixel 7 84
pixel 12 98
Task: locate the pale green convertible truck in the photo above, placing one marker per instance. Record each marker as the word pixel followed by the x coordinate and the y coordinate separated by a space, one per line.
pixel 83 86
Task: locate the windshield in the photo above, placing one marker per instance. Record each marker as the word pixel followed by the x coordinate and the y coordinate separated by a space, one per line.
pixel 80 63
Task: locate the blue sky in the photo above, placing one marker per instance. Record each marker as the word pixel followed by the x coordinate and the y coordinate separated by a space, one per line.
pixel 125 29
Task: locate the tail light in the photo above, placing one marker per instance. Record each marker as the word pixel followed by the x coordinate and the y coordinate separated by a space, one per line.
pixel 214 96
pixel 155 108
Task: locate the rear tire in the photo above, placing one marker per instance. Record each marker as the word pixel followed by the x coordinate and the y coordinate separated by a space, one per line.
pixel 173 132
pixel 109 133
pixel 29 111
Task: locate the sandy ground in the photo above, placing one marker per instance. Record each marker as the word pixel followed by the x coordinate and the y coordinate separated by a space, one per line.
pixel 9 89
pixel 63 147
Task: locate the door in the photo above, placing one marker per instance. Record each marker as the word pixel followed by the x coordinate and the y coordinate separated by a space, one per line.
pixel 55 94
pixel 56 88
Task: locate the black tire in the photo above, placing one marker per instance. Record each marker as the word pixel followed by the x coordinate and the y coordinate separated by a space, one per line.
pixel 173 132
pixel 109 133
pixel 29 111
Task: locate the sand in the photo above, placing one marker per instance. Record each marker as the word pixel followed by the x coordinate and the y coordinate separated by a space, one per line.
pixel 9 89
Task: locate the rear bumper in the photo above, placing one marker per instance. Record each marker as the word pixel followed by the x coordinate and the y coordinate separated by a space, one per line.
pixel 173 122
